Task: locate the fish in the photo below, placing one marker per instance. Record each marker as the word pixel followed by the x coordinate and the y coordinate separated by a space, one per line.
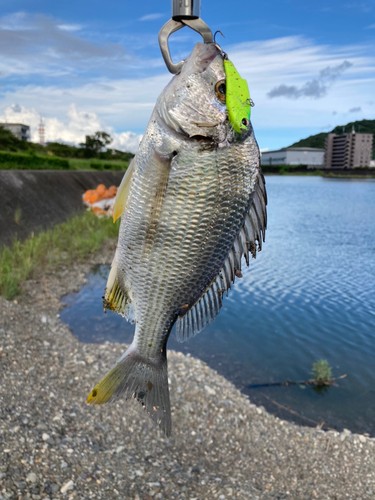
pixel 192 203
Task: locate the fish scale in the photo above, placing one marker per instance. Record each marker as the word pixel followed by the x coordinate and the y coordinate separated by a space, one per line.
pixel 195 203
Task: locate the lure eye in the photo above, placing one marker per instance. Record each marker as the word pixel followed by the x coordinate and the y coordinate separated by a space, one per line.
pixel 245 122
pixel 220 89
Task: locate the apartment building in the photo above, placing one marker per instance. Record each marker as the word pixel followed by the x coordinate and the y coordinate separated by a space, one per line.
pixel 348 150
pixel 19 130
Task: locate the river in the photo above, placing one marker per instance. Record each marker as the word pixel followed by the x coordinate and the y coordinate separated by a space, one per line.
pixel 310 294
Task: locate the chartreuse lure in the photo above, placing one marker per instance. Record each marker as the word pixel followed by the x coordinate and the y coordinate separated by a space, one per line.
pixel 237 99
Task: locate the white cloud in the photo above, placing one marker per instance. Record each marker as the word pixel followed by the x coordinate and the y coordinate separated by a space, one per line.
pixel 70 27
pixel 126 103
pixel 126 141
pixel 73 130
pixel 295 60
pixel 151 17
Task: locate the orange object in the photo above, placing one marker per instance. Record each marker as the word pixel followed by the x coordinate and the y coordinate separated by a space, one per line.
pixel 93 196
pixel 101 189
pixel 88 195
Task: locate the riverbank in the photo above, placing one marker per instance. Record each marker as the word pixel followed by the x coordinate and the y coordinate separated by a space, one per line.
pixel 55 446
pixel 35 200
pixel 335 173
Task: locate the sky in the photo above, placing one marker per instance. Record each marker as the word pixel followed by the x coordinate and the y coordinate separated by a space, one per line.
pixel 85 66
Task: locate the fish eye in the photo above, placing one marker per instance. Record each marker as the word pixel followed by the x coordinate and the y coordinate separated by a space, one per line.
pixel 220 89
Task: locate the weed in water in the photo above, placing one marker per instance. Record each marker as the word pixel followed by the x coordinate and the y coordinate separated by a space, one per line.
pixel 321 370
pixel 72 241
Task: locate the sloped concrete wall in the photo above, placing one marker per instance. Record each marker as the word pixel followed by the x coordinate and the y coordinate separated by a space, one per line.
pixel 44 198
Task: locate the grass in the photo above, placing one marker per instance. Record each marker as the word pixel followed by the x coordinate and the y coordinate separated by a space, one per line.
pixel 86 164
pixel 68 242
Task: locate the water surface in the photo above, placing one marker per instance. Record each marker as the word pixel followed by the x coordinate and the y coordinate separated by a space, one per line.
pixel 310 294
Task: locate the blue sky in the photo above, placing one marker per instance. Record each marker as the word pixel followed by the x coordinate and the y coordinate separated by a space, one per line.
pixel 85 66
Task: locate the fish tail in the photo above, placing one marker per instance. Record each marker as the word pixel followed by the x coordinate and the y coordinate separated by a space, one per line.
pixel 146 379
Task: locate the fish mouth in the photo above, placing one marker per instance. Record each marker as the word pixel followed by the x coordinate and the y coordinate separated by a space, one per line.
pixel 207 124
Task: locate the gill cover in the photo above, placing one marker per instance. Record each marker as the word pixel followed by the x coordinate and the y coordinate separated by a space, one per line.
pixel 237 98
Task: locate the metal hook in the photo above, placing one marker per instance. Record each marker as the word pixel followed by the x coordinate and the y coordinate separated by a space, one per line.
pixel 172 26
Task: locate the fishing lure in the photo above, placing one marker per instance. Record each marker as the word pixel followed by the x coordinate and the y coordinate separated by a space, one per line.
pixel 237 98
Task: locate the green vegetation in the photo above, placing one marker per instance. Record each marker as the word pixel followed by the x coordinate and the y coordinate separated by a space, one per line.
pixel 321 371
pixel 87 164
pixel 8 142
pixel 19 154
pixel 21 161
pixel 313 141
pixel 72 241
pixel 289 169
pixel 317 141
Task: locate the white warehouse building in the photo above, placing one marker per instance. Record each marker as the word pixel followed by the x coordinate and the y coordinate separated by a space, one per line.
pixel 294 156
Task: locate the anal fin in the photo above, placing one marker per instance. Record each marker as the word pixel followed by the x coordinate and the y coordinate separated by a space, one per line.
pixel 114 297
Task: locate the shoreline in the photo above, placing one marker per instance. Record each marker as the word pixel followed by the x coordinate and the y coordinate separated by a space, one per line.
pixel 324 176
pixel 222 446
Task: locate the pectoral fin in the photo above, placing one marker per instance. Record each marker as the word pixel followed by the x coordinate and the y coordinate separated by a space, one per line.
pixel 123 191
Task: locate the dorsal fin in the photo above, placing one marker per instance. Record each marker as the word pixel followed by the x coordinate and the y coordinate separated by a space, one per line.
pixel 123 191
pixel 207 307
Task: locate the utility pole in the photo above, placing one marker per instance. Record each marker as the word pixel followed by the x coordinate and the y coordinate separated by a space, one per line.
pixel 41 131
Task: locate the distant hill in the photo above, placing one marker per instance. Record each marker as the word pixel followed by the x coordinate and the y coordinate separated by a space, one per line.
pixel 317 141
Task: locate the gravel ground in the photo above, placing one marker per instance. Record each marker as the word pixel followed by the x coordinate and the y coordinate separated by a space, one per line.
pixel 53 445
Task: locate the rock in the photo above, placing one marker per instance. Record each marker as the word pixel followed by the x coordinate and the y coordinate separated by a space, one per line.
pixel 45 436
pixel 67 486
pixel 21 485
pixel 54 487
pixel 32 477
pixel 209 390
pixel 362 438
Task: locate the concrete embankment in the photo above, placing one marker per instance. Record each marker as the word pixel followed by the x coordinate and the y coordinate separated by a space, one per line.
pixel 34 200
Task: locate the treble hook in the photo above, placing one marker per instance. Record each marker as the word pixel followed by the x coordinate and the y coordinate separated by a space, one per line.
pixel 184 13
pixel 224 55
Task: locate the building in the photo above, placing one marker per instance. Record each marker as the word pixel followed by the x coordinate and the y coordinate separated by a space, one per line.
pixel 348 150
pixel 19 130
pixel 294 156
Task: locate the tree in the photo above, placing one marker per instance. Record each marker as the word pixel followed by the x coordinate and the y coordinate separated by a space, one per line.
pixel 95 143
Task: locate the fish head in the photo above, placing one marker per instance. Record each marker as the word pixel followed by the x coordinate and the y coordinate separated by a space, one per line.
pixel 194 103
